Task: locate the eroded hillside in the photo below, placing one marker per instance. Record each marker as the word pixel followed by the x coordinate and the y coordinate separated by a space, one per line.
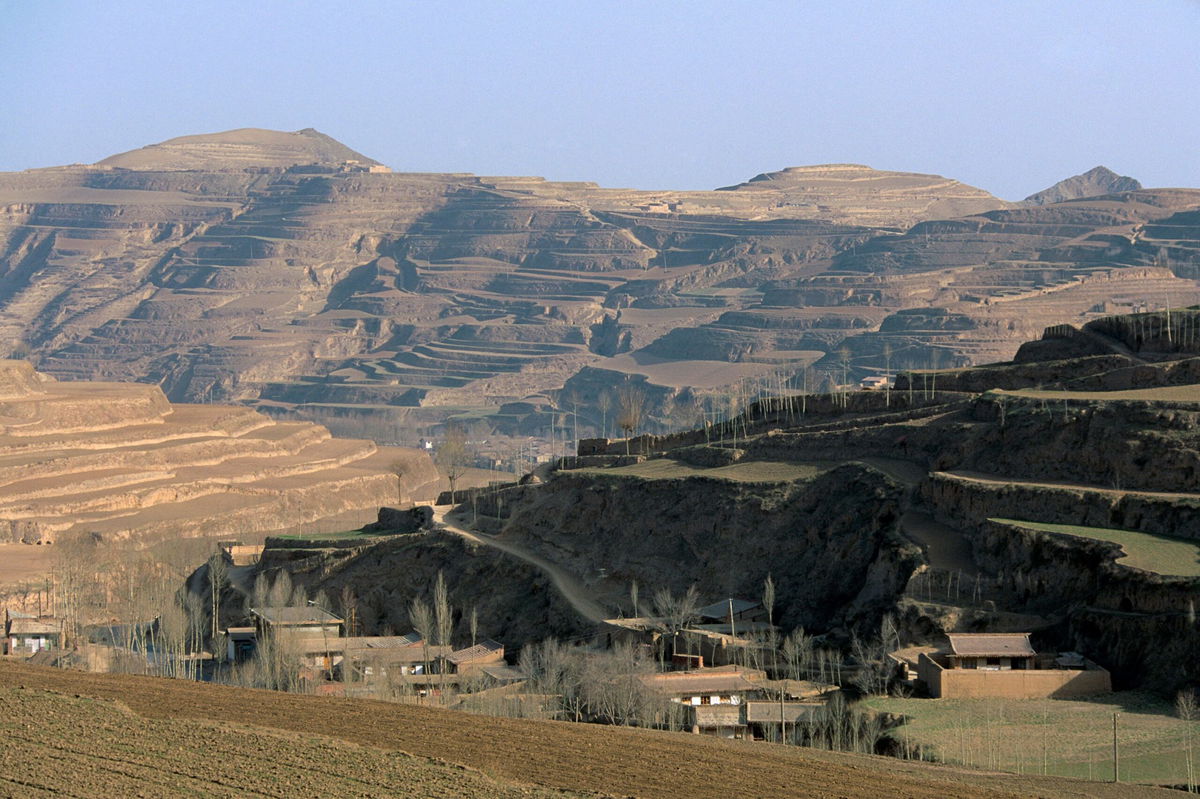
pixel 118 461
pixel 287 271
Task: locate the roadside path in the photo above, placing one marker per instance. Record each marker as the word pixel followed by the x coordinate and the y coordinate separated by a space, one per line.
pixel 1000 480
pixel 570 588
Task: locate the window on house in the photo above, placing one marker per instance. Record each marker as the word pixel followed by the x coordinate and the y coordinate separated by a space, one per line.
pixel 706 700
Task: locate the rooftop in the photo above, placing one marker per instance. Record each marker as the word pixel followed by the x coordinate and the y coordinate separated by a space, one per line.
pixel 308 615
pixel 723 679
pixel 484 649
pixel 26 626
pixel 720 610
pixel 991 645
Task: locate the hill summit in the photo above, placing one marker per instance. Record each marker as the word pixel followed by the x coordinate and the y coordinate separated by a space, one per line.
pixel 239 148
pixel 1096 181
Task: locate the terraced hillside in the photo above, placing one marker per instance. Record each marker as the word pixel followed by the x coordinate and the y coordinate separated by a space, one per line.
pixel 1056 493
pixel 289 272
pixel 91 735
pixel 119 461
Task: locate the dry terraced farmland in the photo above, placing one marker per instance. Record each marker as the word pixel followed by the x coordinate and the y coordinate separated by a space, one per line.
pixel 156 737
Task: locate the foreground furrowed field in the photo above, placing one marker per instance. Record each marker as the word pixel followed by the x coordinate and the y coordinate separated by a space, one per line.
pixel 62 745
pixel 158 737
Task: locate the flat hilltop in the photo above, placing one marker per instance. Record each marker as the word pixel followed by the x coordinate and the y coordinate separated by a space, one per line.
pixel 233 149
pixel 265 746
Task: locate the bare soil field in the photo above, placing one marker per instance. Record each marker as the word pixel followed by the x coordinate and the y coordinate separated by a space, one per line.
pixel 61 745
pixel 575 757
pixel 24 562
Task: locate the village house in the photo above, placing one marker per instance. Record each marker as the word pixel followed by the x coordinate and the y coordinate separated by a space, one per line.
pixel 711 697
pixel 1006 666
pixel 875 383
pixel 27 635
pixel 471 660
pixel 368 658
pixel 310 633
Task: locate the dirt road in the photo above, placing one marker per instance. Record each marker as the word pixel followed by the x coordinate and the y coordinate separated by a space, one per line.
pixel 571 589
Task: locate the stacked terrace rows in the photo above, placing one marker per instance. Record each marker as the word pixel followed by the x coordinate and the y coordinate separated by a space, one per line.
pixel 119 461
pixel 303 280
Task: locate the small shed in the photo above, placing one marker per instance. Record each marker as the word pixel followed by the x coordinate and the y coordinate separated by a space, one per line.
pixel 27 635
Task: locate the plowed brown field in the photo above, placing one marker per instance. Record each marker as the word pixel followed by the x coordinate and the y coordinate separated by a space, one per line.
pixel 183 738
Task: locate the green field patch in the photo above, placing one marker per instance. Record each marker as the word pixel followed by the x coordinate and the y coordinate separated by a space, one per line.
pixel 336 536
pixel 1070 738
pixel 1188 393
pixel 745 472
pixel 1176 557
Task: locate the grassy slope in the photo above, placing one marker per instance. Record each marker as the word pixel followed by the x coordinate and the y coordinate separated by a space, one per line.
pixel 575 757
pixel 745 472
pixel 1153 553
pixel 1069 737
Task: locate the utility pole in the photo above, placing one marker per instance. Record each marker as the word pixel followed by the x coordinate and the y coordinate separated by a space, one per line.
pixel 1116 753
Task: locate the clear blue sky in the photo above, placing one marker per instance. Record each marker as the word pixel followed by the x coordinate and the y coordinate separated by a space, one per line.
pixel 1008 96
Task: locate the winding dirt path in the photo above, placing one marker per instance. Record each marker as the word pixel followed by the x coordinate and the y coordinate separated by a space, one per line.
pixel 571 589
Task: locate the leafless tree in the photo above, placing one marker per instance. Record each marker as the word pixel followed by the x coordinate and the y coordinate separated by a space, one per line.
pixel 218 576
pixel 453 455
pixel 443 613
pixel 421 618
pixel 604 401
pixel 675 613
pixel 399 468
pixel 1188 711
pixel 631 408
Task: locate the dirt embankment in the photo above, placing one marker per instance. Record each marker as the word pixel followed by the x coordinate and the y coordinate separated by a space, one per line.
pixel 515 602
pixel 830 544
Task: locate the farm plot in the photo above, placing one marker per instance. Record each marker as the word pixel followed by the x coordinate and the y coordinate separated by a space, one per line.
pixel 56 745
pixel 1153 553
pixel 1050 736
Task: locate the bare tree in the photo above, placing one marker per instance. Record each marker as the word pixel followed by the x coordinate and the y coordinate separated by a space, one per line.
pixel 1188 711
pixel 218 576
pixel 421 618
pixel 675 614
pixel 631 407
pixel 453 456
pixel 604 401
pixel 442 612
pixel 399 468
pixel 633 597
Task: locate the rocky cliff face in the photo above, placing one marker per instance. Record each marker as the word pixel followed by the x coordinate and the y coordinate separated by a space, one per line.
pixel 830 544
